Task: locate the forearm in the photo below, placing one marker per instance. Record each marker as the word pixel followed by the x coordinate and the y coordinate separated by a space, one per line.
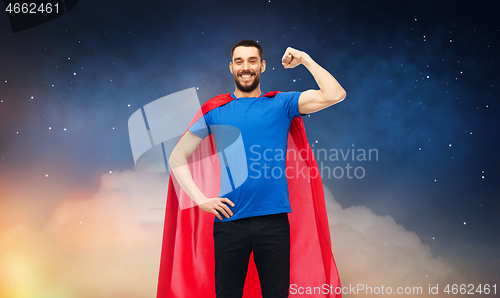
pixel 182 174
pixel 329 86
pixel 180 169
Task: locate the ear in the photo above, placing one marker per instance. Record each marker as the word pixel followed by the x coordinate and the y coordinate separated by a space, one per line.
pixel 263 66
pixel 231 67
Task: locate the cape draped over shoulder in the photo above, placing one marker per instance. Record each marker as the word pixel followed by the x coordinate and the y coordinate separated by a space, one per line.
pixel 187 262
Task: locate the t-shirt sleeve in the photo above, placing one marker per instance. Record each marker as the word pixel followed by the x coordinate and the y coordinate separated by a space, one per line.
pixel 200 128
pixel 291 103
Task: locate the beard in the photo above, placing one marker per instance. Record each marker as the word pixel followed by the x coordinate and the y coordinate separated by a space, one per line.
pixel 247 88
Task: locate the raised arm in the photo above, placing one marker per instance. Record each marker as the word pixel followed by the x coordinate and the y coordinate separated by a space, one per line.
pixel 178 163
pixel 330 92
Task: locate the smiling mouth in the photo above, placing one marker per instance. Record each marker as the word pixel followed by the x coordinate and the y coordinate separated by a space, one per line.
pixel 246 77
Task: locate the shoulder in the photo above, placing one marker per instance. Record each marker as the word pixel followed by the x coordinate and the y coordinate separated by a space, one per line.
pixel 288 96
pixel 281 94
pixel 218 99
pixel 271 94
pixel 215 102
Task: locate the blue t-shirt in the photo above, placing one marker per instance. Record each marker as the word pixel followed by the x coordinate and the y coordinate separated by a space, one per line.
pixel 264 124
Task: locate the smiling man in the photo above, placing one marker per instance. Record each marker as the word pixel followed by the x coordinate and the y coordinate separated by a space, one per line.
pixel 253 217
pixel 246 66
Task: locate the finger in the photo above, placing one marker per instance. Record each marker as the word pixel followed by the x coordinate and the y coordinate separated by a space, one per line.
pixel 222 210
pixel 226 200
pixel 226 208
pixel 217 214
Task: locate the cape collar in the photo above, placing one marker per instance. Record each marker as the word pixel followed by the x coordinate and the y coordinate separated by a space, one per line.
pixel 268 94
pixel 222 99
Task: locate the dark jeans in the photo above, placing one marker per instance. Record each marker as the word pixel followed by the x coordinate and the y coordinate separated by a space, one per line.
pixel 269 238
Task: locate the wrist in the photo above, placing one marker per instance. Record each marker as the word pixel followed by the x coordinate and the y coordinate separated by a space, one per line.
pixel 200 199
pixel 305 59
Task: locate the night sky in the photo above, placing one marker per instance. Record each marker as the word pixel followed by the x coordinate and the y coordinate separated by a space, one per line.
pixel 422 82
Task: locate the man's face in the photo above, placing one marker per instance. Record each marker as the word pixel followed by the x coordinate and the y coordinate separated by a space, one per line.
pixel 246 68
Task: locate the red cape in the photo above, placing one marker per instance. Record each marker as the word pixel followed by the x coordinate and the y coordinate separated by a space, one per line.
pixel 187 256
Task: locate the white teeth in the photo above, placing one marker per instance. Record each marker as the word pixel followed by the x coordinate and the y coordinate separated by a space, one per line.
pixel 246 76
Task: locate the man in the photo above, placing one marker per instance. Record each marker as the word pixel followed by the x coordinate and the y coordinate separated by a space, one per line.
pixel 253 217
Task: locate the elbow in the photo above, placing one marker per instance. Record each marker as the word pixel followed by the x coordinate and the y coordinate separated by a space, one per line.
pixel 337 97
pixel 341 96
pixel 174 160
pixel 171 161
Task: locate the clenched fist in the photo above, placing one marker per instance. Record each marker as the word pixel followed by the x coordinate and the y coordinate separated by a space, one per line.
pixel 292 57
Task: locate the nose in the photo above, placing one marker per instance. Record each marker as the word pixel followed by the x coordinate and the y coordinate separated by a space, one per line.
pixel 246 66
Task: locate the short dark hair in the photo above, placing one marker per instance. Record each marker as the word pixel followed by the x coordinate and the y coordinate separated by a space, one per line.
pixel 248 43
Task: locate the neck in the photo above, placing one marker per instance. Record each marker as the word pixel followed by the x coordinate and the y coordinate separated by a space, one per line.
pixel 255 93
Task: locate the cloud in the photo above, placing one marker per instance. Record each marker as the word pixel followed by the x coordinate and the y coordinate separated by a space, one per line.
pixel 125 210
pixel 102 245
pixel 376 251
pixel 108 245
